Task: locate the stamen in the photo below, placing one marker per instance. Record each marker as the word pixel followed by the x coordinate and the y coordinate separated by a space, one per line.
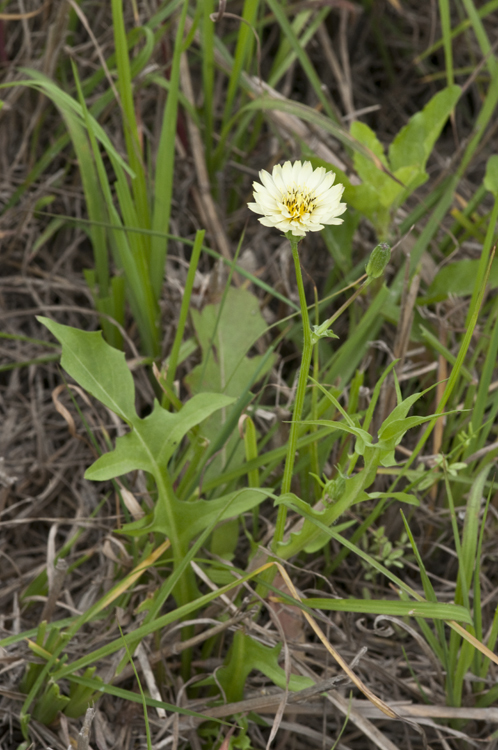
pixel 298 202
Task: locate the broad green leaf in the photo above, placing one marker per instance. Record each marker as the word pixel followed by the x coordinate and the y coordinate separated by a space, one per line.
pixel 414 143
pixel 244 655
pixel 225 368
pixel 378 190
pixel 224 542
pixel 153 440
pixel 390 192
pixel 365 199
pixel 365 135
pixel 226 333
pixel 103 372
pixel 198 514
pixel 411 177
pixel 393 432
pixel 364 166
pixel 193 517
pixel 458 278
pixel 97 367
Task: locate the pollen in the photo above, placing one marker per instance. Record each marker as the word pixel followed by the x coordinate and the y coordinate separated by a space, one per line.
pixel 298 203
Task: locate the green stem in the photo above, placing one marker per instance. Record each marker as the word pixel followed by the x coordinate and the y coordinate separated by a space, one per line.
pixel 301 386
pixel 184 311
pixel 346 304
pixel 300 394
pixel 315 465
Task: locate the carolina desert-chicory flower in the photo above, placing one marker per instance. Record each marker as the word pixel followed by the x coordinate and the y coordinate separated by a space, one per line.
pixel 297 198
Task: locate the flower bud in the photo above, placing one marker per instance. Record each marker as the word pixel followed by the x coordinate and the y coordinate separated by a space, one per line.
pixel 378 261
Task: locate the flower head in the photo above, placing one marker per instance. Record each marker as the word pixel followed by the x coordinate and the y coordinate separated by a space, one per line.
pixel 297 198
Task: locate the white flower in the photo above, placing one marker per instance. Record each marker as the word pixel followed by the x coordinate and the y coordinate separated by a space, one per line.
pixel 297 198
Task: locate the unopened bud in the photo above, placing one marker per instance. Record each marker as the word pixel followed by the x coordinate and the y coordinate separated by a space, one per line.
pixel 379 259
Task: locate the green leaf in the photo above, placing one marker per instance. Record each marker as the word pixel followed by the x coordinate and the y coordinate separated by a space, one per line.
pixel 400 411
pixel 379 191
pixel 491 177
pixel 414 143
pixel 365 199
pixel 403 497
pixel 225 368
pixel 367 137
pixel 103 372
pixel 363 438
pixel 434 611
pixel 310 536
pixel 411 177
pixel 226 332
pixel 370 174
pixel 245 655
pixel 458 278
pixel 199 514
pixel 97 367
pixel 224 541
pixel 394 431
pixel 154 439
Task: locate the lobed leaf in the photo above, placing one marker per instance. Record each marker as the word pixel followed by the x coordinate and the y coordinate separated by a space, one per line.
pixel 97 367
pixel 154 439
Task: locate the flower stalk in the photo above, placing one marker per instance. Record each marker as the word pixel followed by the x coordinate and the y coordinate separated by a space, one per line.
pixel 300 394
pixel 297 199
pixel 310 338
pixel 376 266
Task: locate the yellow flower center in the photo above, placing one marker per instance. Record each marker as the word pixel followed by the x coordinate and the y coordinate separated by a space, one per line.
pixel 298 202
